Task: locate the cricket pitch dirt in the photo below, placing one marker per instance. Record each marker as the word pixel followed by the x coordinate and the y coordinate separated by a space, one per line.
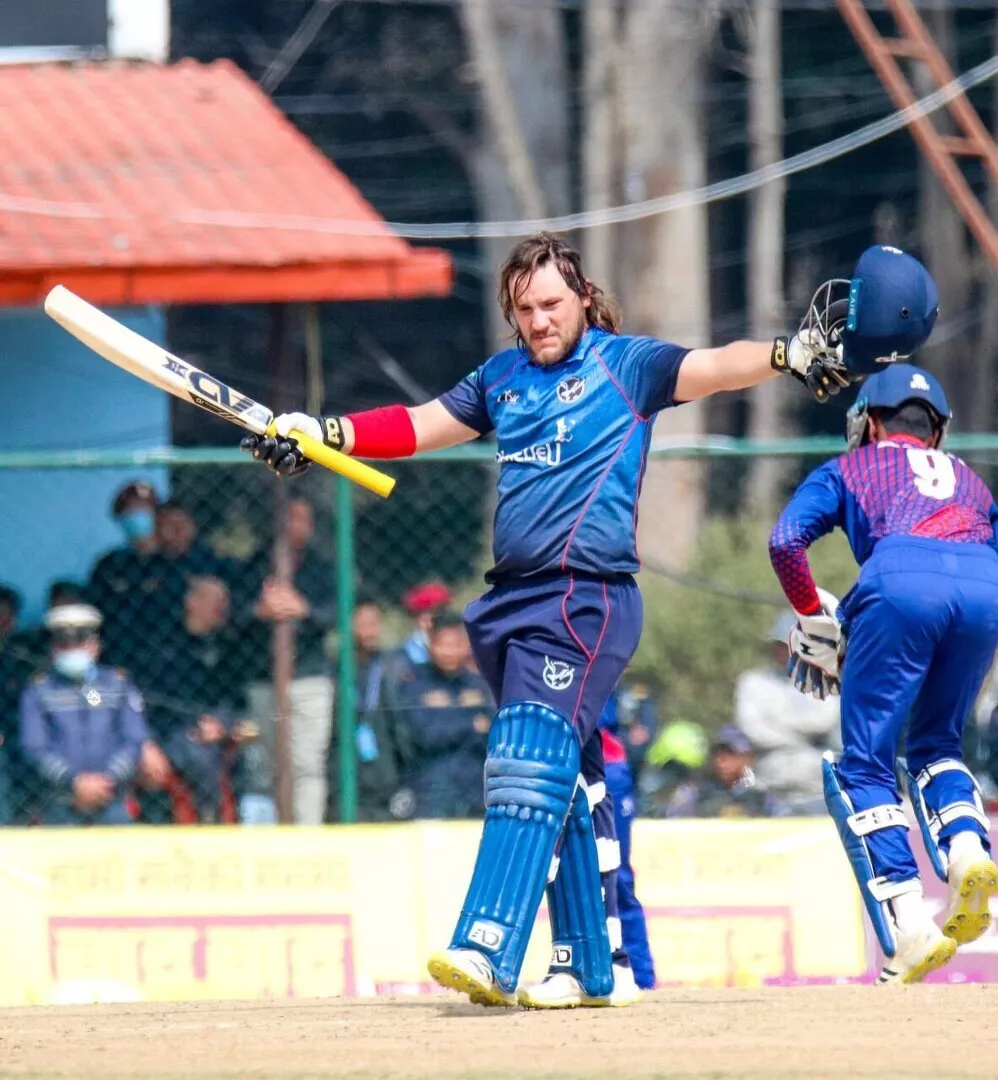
pixel 937 1031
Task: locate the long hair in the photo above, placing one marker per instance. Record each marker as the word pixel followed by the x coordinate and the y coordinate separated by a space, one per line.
pixel 537 251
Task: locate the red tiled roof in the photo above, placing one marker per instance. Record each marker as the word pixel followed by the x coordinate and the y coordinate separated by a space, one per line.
pixel 135 183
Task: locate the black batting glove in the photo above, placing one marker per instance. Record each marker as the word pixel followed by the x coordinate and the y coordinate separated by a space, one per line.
pixel 280 455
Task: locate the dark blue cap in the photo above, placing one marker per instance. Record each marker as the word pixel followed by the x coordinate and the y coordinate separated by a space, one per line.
pixel 900 383
pixel 893 304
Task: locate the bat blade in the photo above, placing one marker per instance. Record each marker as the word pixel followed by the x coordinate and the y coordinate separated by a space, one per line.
pixel 139 356
pixel 151 362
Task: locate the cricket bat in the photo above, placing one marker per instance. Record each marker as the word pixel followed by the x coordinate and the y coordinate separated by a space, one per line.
pixel 149 361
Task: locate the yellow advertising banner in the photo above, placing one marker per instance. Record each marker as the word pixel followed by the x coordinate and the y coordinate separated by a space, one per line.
pixel 135 914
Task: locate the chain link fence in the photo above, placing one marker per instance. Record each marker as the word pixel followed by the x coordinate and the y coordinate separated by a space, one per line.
pixel 293 651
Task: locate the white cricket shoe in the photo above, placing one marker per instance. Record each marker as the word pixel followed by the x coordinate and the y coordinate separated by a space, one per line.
pixel 973 880
pixel 563 991
pixel 919 952
pixel 469 972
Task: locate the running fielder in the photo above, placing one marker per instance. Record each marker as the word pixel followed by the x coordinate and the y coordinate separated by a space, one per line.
pixel 572 406
pixel 921 625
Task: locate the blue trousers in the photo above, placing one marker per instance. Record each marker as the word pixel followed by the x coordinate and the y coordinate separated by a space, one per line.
pixel 922 626
pixel 564 640
pixel 620 784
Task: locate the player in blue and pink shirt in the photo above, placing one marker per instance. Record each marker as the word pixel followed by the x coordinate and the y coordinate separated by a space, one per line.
pixel 908 648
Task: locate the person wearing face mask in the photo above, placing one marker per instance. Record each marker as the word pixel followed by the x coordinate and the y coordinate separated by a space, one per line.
pixel 131 585
pixel 82 725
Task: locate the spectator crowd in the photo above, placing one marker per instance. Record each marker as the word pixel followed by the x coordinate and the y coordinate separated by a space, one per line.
pixel 146 695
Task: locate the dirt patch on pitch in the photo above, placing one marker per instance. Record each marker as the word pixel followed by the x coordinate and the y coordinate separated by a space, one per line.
pixel 938 1031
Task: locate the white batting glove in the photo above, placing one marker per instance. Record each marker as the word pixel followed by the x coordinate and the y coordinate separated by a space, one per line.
pixel 809 358
pixel 815 645
pixel 298 421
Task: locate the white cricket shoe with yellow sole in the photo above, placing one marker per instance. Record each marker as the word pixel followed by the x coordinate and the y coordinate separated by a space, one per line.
pixel 468 972
pixel 973 880
pixel 563 991
pixel 919 952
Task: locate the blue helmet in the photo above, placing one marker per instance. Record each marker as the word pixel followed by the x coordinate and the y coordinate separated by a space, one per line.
pixel 891 388
pixel 883 314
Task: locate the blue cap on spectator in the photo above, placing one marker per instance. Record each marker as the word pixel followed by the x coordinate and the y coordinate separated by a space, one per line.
pixel 731 738
pixel 893 304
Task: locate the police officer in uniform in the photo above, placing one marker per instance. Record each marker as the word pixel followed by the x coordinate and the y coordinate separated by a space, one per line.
pixel 82 725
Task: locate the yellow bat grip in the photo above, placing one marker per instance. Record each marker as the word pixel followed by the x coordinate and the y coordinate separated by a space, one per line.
pixel 378 482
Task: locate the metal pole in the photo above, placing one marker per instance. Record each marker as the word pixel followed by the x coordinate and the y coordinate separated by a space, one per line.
pixel 283 634
pixel 347 711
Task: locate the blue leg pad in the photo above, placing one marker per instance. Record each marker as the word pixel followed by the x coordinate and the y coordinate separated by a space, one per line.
pixel 853 828
pixel 936 856
pixel 531 772
pixel 946 799
pixel 581 944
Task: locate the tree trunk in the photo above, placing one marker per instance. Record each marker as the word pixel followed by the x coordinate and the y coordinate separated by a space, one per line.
pixel 664 260
pixel 520 162
pixel 765 243
pixel 599 152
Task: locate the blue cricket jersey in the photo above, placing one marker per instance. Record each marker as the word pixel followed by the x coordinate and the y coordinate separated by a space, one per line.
pixel 895 487
pixel 572 446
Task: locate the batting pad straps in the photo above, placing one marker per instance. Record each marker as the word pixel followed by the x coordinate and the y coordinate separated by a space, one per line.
pixel 579 936
pixel 531 772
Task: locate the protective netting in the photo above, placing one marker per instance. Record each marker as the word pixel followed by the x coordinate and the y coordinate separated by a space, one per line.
pixel 224 602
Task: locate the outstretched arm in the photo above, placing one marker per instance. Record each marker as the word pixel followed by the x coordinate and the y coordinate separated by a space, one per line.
pixel 393 431
pixel 432 428
pixel 747 363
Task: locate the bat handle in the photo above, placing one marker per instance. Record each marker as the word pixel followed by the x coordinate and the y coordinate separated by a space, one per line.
pixel 357 471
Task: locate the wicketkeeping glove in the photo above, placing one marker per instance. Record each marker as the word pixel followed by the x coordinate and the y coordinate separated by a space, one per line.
pixel 816 645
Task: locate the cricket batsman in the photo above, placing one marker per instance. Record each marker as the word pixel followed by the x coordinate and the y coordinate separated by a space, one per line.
pixel 909 645
pixel 572 406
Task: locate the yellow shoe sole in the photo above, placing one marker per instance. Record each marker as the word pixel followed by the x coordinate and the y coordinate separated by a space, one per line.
pixel 448 975
pixel 973 917
pixel 940 955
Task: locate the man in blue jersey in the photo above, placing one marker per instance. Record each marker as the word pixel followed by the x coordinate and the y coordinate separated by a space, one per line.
pixel 572 406
pixel 921 624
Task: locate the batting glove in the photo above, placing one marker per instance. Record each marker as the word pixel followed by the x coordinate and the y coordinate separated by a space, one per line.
pixel 815 645
pixel 812 361
pixel 280 452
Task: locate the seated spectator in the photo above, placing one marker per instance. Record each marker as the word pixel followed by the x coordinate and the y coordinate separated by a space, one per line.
pixel 23 652
pixel 444 714
pixel 82 726
pixel 727 787
pixel 310 603
pixel 133 586
pixel 788 730
pixel 678 751
pixel 12 679
pixel 196 693
pixel 182 548
pixel 421 602
pixel 376 745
